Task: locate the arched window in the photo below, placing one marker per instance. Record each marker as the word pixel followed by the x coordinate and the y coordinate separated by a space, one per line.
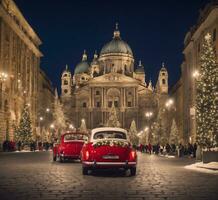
pixel 65 91
pixel 129 104
pixel 116 103
pixel 163 74
pixel 98 104
pixel 163 81
pixel 109 104
pixel 6 106
pixel 65 82
pixel 97 92
pixel 84 105
pixel 65 75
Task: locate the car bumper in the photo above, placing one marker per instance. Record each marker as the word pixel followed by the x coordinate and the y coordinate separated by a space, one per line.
pixel 70 156
pixel 94 164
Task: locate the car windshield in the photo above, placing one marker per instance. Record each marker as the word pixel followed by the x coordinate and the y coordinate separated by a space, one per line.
pixel 70 137
pixel 109 135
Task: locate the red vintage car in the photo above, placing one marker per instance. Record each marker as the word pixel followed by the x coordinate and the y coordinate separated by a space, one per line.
pixel 69 146
pixel 108 148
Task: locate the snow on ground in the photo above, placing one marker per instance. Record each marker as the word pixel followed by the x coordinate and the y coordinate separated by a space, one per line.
pixel 211 167
pixel 168 156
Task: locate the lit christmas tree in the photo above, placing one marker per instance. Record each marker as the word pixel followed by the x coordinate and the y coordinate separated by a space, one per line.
pixel 24 130
pixel 133 134
pixel 83 127
pixel 174 133
pixel 155 132
pixel 144 139
pixel 59 117
pixel 207 96
pixel 113 119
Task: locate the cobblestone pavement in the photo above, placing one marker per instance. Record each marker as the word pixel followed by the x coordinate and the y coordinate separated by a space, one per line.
pixel 35 176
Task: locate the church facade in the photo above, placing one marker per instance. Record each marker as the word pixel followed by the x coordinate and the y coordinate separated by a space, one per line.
pixel 112 79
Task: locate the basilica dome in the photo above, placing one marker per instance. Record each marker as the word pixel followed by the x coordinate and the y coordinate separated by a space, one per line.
pixel 83 66
pixel 117 45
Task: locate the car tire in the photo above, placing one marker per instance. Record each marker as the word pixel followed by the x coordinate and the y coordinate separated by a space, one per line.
pixel 133 171
pixel 61 159
pixel 85 170
pixel 54 158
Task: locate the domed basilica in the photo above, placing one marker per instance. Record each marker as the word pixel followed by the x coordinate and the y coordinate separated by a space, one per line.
pixel 112 79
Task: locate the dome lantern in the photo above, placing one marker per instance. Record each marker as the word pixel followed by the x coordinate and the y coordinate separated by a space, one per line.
pixel 84 58
pixel 116 31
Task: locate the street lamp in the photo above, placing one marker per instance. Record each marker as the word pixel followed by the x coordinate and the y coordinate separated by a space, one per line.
pixel 52 126
pixel 47 110
pixel 148 115
pixel 169 103
pixel 3 76
pixel 71 127
pixel 196 74
pixel 41 118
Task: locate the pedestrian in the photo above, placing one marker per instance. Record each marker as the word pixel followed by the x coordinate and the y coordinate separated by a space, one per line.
pixel 168 148
pixel 194 150
pixel 149 147
pixel 19 145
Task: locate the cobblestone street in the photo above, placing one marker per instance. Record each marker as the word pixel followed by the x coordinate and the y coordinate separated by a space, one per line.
pixel 35 176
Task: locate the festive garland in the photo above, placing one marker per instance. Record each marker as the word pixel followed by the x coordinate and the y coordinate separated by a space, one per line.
pixel 110 143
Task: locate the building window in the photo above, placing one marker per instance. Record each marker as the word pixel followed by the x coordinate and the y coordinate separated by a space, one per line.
pixel 163 74
pixel 84 105
pixel 98 104
pixel 65 75
pixel 116 104
pixel 129 104
pixel 163 81
pixel 65 82
pixel 65 91
pixel 129 93
pixel 214 35
pixel 109 104
pixel 97 92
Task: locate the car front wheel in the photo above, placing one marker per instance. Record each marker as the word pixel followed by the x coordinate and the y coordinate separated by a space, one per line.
pixel 85 170
pixel 61 159
pixel 133 171
pixel 54 158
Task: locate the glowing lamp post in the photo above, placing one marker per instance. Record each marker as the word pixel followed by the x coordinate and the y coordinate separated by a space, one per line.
pixel 148 115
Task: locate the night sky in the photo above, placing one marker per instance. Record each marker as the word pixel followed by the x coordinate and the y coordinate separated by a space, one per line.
pixel 155 30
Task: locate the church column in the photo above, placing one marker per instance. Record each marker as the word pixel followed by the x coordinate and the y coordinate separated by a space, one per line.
pixel 93 98
pixel 137 97
pixel 134 97
pixel 121 97
pixel 90 97
pixel 124 95
pixel 102 97
pixel 105 99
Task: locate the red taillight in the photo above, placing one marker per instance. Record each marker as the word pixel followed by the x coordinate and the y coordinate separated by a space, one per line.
pixel 132 155
pixel 86 155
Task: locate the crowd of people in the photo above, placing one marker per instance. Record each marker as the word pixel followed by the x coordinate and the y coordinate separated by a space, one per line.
pixel 170 149
pixel 9 146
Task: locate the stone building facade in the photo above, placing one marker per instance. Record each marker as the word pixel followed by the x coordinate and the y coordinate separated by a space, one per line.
pixel 112 78
pixel 45 102
pixel 19 69
pixel 185 91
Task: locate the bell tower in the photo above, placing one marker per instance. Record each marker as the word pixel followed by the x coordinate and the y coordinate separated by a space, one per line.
pixel 66 83
pixel 162 83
